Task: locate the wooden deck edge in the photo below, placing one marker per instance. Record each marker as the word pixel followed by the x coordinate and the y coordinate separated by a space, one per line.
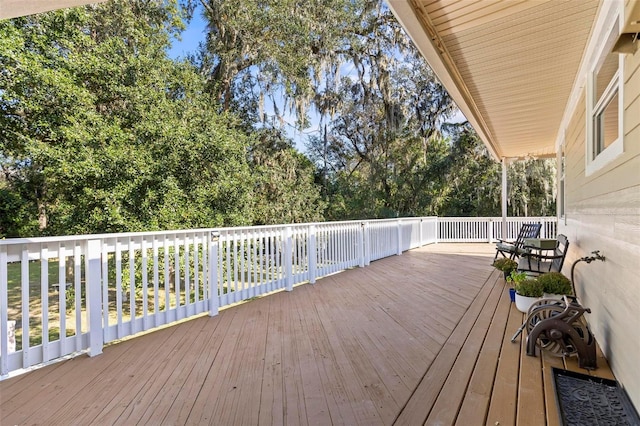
pixel 423 398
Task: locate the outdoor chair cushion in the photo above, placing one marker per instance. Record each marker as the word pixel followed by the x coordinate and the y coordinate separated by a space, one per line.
pixel 509 248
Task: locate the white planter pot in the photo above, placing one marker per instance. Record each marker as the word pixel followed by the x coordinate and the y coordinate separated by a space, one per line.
pixel 523 302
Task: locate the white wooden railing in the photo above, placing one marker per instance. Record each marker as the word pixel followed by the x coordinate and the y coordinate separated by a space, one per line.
pixel 482 229
pixel 101 288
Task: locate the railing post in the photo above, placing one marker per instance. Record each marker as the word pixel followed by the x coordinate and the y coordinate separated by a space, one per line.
pixel 399 252
pixel 312 252
pixel 366 243
pixel 420 237
pixel 214 297
pixel 361 248
pixel 287 262
pixel 94 296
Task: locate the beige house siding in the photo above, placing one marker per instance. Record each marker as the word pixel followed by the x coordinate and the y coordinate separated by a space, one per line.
pixel 603 213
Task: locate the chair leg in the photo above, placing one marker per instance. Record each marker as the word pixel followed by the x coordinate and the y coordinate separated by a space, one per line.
pixel 496 256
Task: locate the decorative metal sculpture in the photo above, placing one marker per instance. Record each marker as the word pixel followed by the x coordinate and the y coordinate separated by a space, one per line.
pixel 560 329
pixel 559 326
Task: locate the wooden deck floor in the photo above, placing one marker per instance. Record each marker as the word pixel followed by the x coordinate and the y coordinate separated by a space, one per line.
pixel 412 339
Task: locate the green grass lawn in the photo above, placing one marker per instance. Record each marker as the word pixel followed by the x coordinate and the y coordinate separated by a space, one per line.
pixel 53 298
pixel 14 275
pixel 14 295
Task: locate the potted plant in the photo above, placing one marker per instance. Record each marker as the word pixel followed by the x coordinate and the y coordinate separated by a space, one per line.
pixel 555 285
pixel 528 291
pixel 513 278
pixel 505 265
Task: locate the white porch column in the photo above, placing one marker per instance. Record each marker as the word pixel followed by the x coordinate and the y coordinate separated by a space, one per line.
pixel 504 198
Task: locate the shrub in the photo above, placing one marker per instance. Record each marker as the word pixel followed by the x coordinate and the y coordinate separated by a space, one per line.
pixel 516 277
pixel 505 264
pixel 529 287
pixel 555 283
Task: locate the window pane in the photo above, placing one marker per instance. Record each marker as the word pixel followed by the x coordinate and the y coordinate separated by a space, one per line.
pixel 607 125
pixel 605 74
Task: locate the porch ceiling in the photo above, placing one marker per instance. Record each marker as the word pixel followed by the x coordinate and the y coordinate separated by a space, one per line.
pixel 15 8
pixel 509 65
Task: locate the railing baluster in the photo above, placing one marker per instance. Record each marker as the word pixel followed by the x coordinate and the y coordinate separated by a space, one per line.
pixel 94 291
pixel 176 277
pixel 132 286
pixel 26 327
pixel 62 299
pixel 44 301
pixel 4 307
pixel 105 284
pixel 214 299
pixel 187 275
pixel 145 285
pixel 120 333
pixel 288 267
pixel 77 288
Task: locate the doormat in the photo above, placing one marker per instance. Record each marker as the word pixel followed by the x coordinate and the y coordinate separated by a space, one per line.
pixel 585 400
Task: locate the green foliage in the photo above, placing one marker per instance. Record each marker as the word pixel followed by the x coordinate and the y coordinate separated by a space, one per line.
pixel 516 277
pixel 257 52
pixel 529 287
pixel 285 189
pixel 17 213
pixel 101 132
pixel 505 264
pixel 555 283
pixel 532 187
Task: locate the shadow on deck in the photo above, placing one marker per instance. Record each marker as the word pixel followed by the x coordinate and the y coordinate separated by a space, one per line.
pixel 422 337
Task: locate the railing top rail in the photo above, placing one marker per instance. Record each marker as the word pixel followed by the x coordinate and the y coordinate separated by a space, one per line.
pixel 496 218
pixel 86 237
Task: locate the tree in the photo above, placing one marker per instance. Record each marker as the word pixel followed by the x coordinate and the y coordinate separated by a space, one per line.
pixel 101 132
pixel 474 180
pixel 285 191
pixel 257 52
pixel 532 188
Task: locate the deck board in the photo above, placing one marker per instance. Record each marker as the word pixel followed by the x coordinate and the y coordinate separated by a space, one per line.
pixel 419 338
pixel 476 401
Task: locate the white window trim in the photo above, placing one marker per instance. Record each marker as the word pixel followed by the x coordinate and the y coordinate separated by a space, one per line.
pixel 616 85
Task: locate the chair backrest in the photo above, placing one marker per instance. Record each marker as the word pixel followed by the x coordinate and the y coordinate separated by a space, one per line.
pixel 528 230
pixel 562 247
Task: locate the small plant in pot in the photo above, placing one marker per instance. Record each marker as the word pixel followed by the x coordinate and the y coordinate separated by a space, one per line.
pixel 528 291
pixel 555 285
pixel 505 265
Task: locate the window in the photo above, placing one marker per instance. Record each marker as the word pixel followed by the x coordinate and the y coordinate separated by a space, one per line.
pixel 604 106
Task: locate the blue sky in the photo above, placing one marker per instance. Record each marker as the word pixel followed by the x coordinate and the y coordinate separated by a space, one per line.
pixel 191 37
pixel 188 43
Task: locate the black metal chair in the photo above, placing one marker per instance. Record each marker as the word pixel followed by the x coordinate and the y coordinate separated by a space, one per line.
pixel 513 249
pixel 536 261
